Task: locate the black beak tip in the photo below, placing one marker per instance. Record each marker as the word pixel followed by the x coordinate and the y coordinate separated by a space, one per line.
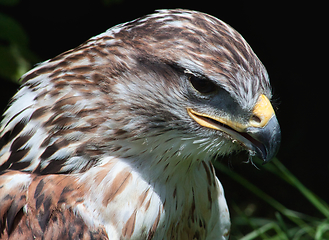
pixel 269 138
pixel 273 148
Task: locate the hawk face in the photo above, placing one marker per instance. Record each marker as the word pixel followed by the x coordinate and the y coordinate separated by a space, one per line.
pixel 197 84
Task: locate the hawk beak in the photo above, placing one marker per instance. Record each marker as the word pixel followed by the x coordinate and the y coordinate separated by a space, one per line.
pixel 261 135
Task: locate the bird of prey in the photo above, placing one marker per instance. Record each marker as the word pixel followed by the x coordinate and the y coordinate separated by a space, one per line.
pixel 114 139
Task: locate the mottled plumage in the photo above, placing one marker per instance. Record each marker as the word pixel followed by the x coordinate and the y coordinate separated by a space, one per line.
pixel 114 139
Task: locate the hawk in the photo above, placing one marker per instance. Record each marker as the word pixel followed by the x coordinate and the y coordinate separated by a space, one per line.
pixel 114 139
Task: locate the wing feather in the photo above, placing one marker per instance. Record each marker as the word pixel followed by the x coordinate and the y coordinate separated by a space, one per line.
pixel 51 120
pixel 42 207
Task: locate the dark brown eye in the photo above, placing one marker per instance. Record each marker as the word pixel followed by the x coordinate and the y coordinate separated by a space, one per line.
pixel 202 85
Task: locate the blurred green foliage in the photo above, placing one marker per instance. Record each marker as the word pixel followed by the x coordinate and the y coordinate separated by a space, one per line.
pixel 9 2
pixel 286 224
pixel 15 56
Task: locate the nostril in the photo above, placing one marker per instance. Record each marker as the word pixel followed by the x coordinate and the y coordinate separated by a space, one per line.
pixel 256 119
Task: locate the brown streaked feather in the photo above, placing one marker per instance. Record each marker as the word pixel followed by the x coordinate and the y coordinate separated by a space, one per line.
pixel 43 208
pixel 129 227
pixel 118 185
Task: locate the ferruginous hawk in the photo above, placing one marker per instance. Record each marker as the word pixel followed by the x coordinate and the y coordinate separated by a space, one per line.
pixel 114 139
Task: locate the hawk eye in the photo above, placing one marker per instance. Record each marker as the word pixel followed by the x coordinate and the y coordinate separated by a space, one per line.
pixel 202 85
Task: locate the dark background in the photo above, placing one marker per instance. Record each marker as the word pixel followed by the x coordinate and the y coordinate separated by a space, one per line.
pixel 291 41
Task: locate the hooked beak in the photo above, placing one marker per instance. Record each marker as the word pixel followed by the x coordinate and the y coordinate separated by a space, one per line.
pixel 261 135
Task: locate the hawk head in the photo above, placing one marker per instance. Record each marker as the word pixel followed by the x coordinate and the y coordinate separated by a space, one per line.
pixel 191 83
pixel 174 83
